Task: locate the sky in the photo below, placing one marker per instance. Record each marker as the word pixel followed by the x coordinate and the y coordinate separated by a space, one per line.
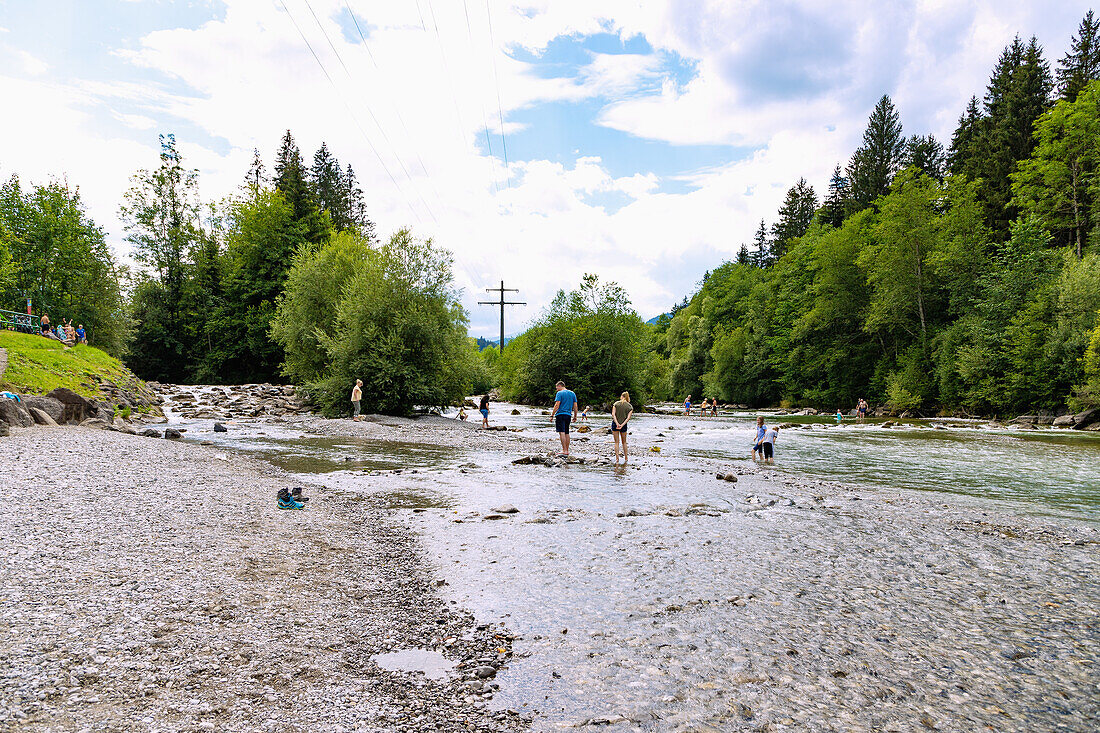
pixel 641 140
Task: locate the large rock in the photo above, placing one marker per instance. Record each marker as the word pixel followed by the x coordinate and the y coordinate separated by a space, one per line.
pixel 5 431
pixel 173 434
pixel 15 414
pixel 52 407
pixel 97 423
pixel 76 408
pixel 1065 421
pixel 41 418
pixel 1085 418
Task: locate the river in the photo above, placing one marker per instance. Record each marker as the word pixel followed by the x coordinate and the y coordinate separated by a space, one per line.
pixel 832 591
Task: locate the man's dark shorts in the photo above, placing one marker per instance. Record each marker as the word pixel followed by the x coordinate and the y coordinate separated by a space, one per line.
pixel 767 450
pixel 561 423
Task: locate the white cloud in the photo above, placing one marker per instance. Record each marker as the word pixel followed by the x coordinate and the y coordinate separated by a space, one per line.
pixel 793 81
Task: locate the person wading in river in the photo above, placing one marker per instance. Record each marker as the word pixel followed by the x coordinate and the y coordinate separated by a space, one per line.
pixel 565 409
pixel 484 409
pixel 620 416
pixel 356 396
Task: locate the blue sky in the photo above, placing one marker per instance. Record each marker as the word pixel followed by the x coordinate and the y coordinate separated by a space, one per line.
pixel 645 141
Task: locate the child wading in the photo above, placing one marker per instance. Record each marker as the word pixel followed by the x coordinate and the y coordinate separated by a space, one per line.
pixel 768 444
pixel 757 446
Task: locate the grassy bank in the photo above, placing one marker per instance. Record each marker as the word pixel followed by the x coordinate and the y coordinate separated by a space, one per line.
pixel 37 365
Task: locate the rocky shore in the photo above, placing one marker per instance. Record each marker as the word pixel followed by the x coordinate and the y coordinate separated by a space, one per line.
pixel 153 585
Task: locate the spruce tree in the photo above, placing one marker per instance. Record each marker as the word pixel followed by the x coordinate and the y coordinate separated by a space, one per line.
pixel 837 201
pixel 1081 64
pixel 357 209
pixel 794 218
pixel 962 155
pixel 743 256
pixel 879 158
pixel 925 153
pixel 290 181
pixel 1018 93
pixel 762 255
pixel 256 178
pixel 326 179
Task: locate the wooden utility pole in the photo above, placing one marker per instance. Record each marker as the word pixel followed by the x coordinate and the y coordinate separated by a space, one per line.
pixel 502 302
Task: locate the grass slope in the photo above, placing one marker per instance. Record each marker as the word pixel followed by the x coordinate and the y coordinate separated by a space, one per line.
pixel 37 365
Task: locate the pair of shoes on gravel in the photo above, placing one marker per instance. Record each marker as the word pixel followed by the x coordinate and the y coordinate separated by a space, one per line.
pixel 291 498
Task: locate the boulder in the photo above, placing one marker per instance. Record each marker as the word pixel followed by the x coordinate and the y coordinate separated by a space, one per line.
pixel 1029 419
pixel 515 411
pixel 583 429
pixel 506 509
pixel 15 414
pixel 41 418
pixel 219 428
pixel 48 405
pixel 1064 421
pixel 172 434
pixel 151 433
pixel 75 407
pixel 1085 418
pixel 96 422
pixel 5 431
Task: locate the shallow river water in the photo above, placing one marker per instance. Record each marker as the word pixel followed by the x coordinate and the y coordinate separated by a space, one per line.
pixel 657 598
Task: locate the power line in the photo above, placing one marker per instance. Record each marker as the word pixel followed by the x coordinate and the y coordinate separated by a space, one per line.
pixel 461 262
pixel 496 79
pixel 502 302
pixel 348 108
pixel 481 103
pixel 369 110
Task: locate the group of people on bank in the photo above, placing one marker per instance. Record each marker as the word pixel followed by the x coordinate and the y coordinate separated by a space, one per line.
pixel 64 331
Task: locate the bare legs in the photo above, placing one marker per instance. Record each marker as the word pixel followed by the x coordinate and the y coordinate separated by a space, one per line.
pixel 620 437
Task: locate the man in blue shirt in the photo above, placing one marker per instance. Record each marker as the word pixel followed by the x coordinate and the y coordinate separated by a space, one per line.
pixel 565 409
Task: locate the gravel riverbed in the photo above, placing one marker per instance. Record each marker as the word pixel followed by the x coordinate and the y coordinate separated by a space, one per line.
pixel 151 585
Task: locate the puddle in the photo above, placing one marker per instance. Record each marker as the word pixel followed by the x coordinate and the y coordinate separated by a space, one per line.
pixel 432 665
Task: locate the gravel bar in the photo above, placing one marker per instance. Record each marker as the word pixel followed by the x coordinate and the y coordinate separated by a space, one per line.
pixel 153 585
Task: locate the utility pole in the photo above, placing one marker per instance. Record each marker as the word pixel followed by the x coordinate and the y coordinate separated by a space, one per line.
pixel 502 302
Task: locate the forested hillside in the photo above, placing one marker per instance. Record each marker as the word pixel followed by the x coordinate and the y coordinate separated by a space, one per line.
pixel 927 278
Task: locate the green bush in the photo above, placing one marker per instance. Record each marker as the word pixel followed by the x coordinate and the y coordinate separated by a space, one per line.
pixel 589 338
pixel 397 325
